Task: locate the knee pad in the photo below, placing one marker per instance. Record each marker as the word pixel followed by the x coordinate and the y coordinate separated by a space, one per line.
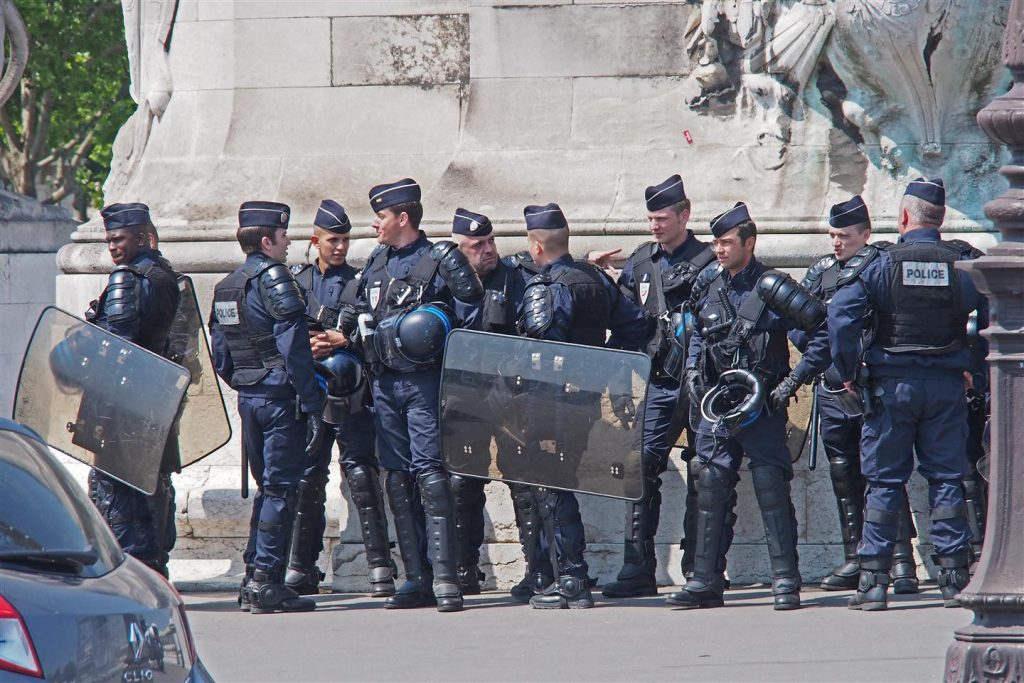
pixel 847 481
pixel 434 486
pixel 771 487
pixel 363 483
pixel 399 486
pixel 714 486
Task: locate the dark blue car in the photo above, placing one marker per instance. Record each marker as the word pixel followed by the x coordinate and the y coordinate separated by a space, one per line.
pixel 73 607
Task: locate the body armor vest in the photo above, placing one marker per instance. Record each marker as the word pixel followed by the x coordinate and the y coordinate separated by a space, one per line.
pixel 591 303
pixel 253 351
pixel 395 295
pixel 323 312
pixel 163 281
pixel 924 314
pixel 498 308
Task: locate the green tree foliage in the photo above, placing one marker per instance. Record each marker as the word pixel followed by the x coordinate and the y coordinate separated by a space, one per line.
pixel 57 130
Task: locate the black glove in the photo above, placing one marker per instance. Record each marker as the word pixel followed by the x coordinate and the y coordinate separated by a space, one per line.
pixel 784 391
pixel 694 386
pixel 624 409
pixel 348 320
pixel 315 431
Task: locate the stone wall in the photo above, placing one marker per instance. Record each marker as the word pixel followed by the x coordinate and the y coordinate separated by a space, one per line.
pixel 495 105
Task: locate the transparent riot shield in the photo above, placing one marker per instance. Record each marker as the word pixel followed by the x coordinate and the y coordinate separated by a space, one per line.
pixel 204 426
pixel 98 398
pixel 561 416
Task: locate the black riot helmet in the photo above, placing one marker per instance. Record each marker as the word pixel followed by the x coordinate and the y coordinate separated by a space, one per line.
pixel 72 361
pixel 343 372
pixel 735 402
pixel 423 331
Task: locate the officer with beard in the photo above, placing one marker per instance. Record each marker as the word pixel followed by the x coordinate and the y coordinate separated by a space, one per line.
pixel 403 273
pixel 918 361
pixel 570 301
pixel 138 304
pixel 742 320
pixel 322 284
pixel 658 277
pixel 261 349
pixel 841 418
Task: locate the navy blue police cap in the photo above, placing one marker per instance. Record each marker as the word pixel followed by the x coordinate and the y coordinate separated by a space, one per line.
pixel 851 212
pixel 263 215
pixel 724 222
pixel 932 191
pixel 130 215
pixel 666 194
pixel 390 194
pixel 471 224
pixel 331 217
pixel 547 217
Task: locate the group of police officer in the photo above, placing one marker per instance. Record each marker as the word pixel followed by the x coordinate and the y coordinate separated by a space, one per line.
pixel 325 353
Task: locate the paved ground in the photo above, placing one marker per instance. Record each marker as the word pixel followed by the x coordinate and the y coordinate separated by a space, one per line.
pixel 352 638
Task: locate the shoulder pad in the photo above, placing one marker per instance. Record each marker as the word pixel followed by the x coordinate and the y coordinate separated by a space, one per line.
pixel 456 271
pixel 522 259
pixel 856 265
pixel 121 299
pixel 644 252
pixel 539 279
pixel 967 251
pixel 815 272
pixel 280 292
pixel 881 245
pixel 703 282
pixel 298 268
pixel 538 307
pixel 441 248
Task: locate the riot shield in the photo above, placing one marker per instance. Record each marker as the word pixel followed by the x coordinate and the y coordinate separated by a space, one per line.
pixel 204 426
pixel 561 416
pixel 98 398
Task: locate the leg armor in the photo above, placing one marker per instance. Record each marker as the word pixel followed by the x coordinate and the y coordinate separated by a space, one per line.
pixel 773 497
pixel 468 494
pixel 639 562
pixel 975 499
pixel 953 576
pixel 267 595
pixel 715 489
pixel 848 485
pixel 904 567
pixel 277 514
pixel 161 510
pixel 562 522
pixel 302 575
pixel 407 513
pixel 441 535
pixel 539 573
pixel 364 484
pixel 688 544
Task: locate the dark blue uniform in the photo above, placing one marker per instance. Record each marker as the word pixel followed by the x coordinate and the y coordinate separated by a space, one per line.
pixel 765 352
pixel 584 304
pixel 916 363
pixel 355 437
pixel 265 356
pixel 660 283
pixel 139 305
pixel 840 424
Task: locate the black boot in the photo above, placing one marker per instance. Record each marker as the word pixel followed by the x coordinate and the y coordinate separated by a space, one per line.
pixel 872 585
pixel 953 576
pixel 904 568
pixel 773 497
pixel 704 589
pixel 364 485
pixel 267 595
pixel 569 592
pixel 636 578
pixel 440 515
pixel 302 574
pixel 538 574
pixel 408 516
pixel 469 500
pixel 848 486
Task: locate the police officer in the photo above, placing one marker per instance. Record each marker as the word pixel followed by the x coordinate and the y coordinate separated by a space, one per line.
pixel 261 349
pixel 918 304
pixel 658 276
pixel 406 270
pixel 503 287
pixel 322 283
pixel 138 304
pixel 573 302
pixel 743 315
pixel 841 419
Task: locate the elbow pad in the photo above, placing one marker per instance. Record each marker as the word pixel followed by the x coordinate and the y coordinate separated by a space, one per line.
pixel 456 271
pixel 538 307
pixel 788 298
pixel 121 300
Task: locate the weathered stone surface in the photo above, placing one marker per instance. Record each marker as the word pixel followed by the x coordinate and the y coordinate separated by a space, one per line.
pixel 423 50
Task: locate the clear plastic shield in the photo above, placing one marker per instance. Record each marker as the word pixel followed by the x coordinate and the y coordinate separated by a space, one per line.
pixel 98 398
pixel 562 416
pixel 204 426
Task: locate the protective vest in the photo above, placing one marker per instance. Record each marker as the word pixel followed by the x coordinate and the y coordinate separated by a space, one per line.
pixel 161 307
pixel 924 313
pixel 658 291
pixel 324 313
pixel 253 351
pixel 392 296
pixel 591 303
pixel 498 308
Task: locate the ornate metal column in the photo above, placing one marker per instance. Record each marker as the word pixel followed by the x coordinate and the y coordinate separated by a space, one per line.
pixel 992 647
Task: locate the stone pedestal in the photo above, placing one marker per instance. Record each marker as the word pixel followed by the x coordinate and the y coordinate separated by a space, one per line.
pixel 494 105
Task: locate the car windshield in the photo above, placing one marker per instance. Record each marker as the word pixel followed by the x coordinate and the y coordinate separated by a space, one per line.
pixel 46 521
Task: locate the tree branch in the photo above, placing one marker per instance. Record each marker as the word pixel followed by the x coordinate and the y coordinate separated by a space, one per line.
pixel 8 129
pixel 43 118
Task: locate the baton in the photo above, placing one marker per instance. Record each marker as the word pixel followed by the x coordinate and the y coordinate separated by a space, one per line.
pixel 812 457
pixel 245 470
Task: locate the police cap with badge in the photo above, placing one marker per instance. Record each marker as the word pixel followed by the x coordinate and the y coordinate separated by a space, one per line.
pixel 666 194
pixel 727 220
pixel 386 195
pixel 126 215
pixel 849 213
pixel 262 214
pixel 470 224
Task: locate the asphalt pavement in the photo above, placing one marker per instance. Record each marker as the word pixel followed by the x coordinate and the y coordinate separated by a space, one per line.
pixel 353 638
